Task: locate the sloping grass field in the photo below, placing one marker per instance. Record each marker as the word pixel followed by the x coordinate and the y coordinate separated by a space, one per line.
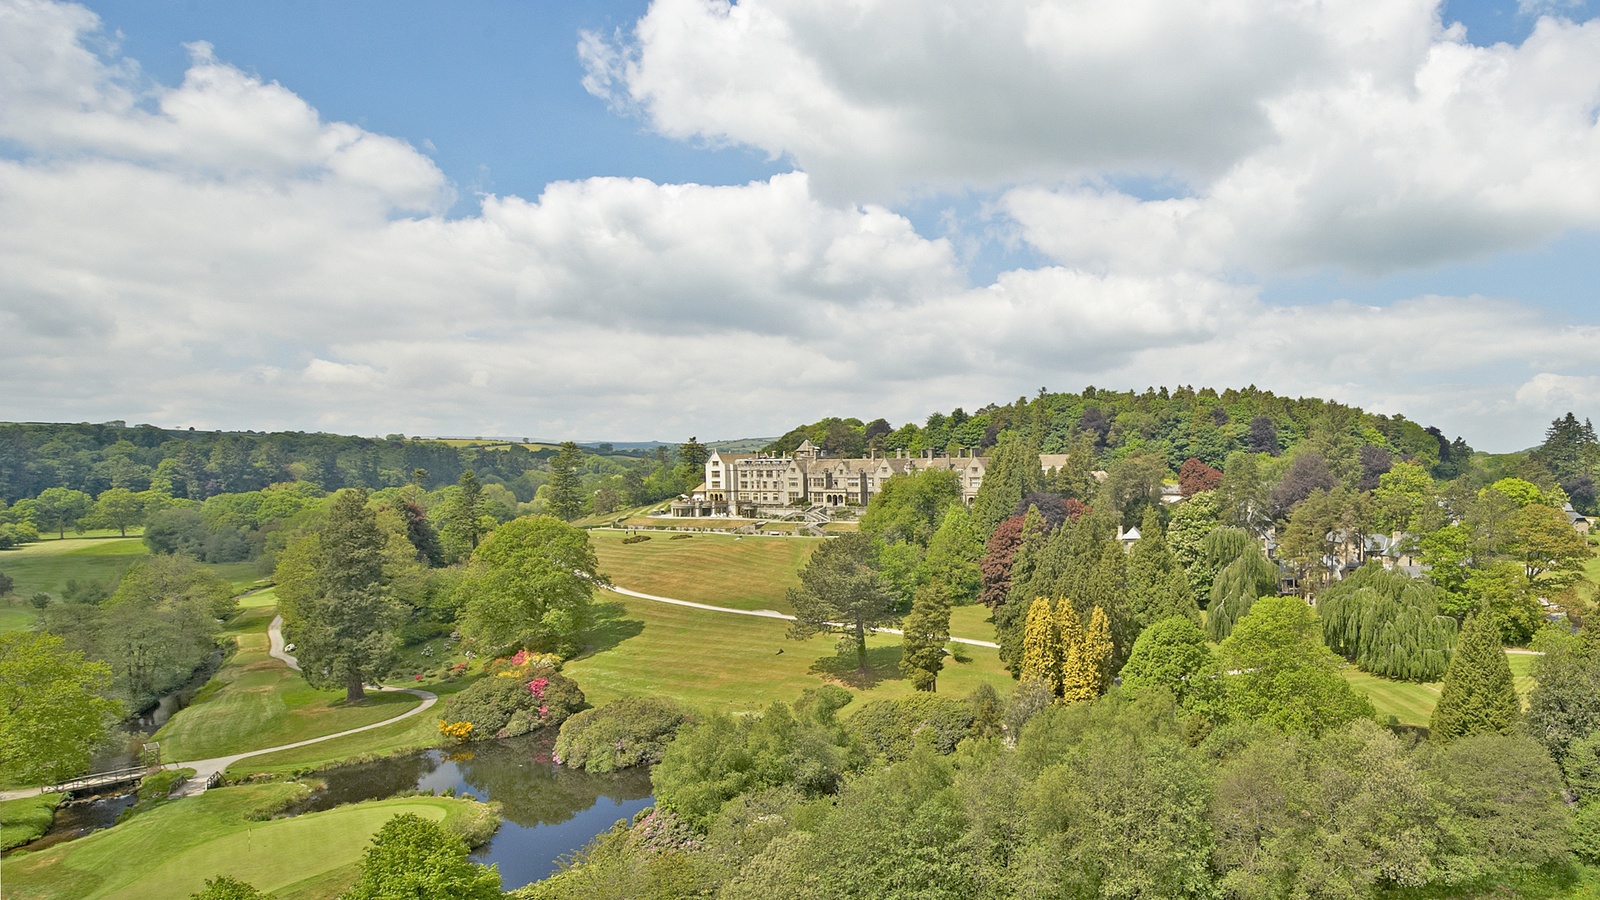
pixel 47 565
pixel 1412 703
pixel 722 570
pixel 718 661
pixel 27 819
pixel 171 850
pixel 737 572
pixel 256 701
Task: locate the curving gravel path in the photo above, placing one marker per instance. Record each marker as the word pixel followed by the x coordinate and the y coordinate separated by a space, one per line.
pixel 766 613
pixel 205 768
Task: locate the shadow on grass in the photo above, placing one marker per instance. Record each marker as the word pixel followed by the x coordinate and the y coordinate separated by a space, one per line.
pixel 882 663
pixel 611 628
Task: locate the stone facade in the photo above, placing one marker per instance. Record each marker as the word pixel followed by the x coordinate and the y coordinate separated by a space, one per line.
pixel 757 485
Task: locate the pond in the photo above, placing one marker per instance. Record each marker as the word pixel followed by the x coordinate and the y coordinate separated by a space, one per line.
pixel 547 811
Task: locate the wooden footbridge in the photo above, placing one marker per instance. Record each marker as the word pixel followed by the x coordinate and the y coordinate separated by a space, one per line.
pixel 100 780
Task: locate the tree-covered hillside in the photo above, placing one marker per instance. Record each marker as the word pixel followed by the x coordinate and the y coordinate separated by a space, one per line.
pixel 1176 424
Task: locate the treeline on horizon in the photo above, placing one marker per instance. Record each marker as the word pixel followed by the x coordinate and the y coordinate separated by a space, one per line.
pixel 1178 424
pixel 1173 425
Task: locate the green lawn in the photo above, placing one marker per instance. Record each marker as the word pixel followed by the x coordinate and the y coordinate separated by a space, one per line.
pixel 46 565
pixel 256 701
pixel 170 851
pixel 27 819
pixel 416 733
pixel 1412 702
pixel 972 622
pixel 719 661
pixel 262 597
pixel 724 570
pixel 242 575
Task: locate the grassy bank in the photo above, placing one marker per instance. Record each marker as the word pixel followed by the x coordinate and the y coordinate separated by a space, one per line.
pixel 1411 702
pixel 721 661
pixel 720 569
pixel 27 819
pixel 171 850
pixel 47 565
pixel 256 701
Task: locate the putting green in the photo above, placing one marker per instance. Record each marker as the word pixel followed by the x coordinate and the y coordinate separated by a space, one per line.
pixel 171 850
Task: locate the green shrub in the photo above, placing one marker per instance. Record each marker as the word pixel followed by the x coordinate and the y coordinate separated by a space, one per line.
pixel 636 539
pixel 888 728
pixel 480 827
pixel 159 785
pixel 629 732
pixel 1586 832
pixel 498 707
pixel 274 804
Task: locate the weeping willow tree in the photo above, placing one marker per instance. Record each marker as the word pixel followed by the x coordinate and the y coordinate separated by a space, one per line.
pixel 1243 574
pixel 1388 624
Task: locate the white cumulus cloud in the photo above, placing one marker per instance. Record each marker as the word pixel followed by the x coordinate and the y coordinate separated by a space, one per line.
pixel 216 253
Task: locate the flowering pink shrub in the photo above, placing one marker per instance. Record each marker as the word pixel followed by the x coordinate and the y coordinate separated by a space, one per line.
pixel 506 707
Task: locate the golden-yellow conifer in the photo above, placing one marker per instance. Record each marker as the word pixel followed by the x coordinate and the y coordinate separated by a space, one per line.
pixel 1041 646
pixel 1098 650
pixel 1070 629
pixel 1088 663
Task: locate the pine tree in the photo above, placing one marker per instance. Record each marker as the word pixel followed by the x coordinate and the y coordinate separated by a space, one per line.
pixel 566 494
pixel 1013 473
pixel 1010 616
pixel 339 608
pixel 1478 696
pixel 1042 645
pixel 465 516
pixel 926 629
pixel 1035 535
pixel 1157 585
pixel 1088 667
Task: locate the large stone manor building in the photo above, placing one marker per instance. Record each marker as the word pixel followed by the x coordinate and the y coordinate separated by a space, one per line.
pixel 756 485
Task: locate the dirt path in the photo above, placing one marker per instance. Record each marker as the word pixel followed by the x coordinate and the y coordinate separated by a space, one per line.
pixel 767 614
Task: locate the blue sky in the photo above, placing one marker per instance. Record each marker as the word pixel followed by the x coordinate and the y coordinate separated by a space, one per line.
pixel 377 217
pixel 495 88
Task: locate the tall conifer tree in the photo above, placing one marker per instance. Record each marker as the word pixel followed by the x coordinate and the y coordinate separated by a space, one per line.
pixel 1088 664
pixel 566 494
pixel 1158 588
pixel 926 629
pixel 338 608
pixel 1013 473
pixel 1478 696
pixel 1042 645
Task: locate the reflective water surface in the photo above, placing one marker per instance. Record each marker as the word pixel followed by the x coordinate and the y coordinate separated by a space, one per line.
pixel 548 811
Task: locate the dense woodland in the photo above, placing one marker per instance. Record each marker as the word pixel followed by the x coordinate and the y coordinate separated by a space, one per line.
pixel 1179 726
pixel 197 465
